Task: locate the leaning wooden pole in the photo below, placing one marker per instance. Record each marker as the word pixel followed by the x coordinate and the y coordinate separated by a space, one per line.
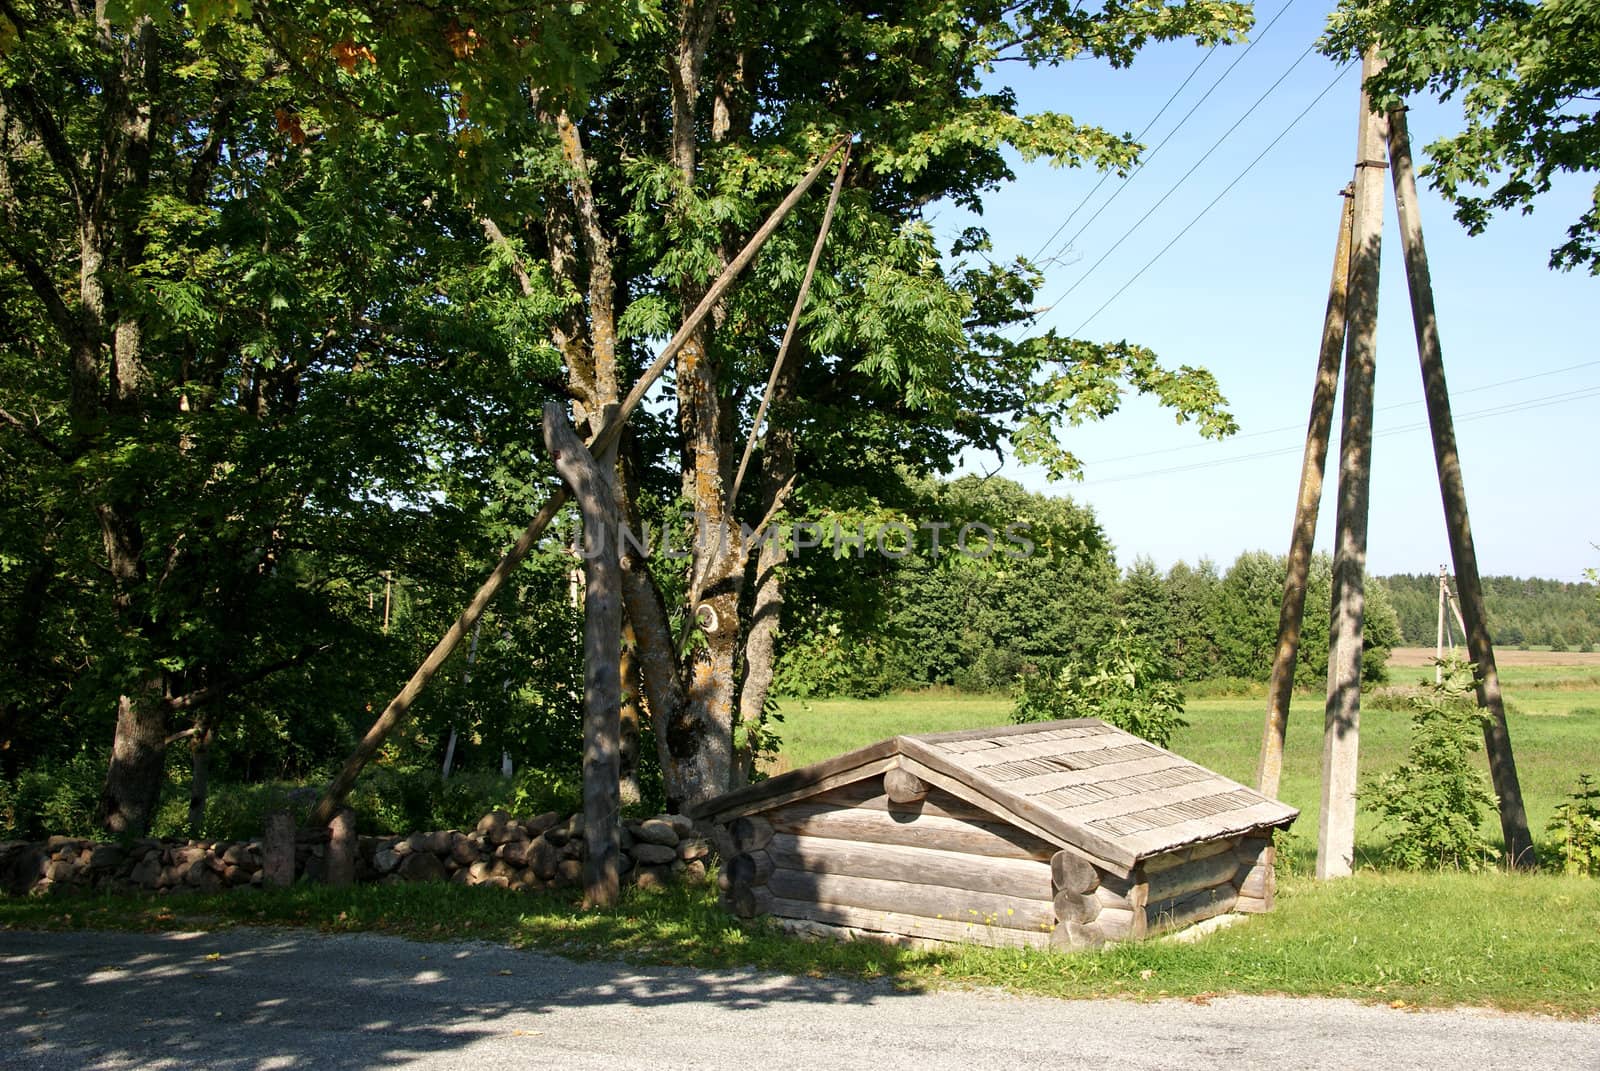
pixel 1342 723
pixel 1291 611
pixel 1480 647
pixel 400 705
pixel 592 485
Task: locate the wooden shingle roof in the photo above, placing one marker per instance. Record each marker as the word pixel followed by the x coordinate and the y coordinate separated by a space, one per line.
pixel 1080 784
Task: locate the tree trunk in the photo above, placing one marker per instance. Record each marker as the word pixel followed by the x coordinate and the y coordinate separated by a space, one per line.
pixel 138 763
pixel 200 777
pixel 631 684
pixel 602 643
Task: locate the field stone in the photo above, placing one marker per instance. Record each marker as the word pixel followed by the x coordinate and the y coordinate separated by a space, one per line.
pixel 514 852
pixel 543 858
pixel 493 826
pixel 462 850
pixel 146 873
pixel 386 860
pixel 693 848
pixel 657 831
pixel 422 866
pixel 107 857
pixel 569 872
pixel 653 877
pixel 682 823
pixel 649 855
pixel 693 872
pixel 540 823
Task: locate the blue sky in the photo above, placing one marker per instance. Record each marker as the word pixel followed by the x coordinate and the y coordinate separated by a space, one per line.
pixel 1243 292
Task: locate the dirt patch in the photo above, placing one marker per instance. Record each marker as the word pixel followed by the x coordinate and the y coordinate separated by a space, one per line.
pixel 1405 657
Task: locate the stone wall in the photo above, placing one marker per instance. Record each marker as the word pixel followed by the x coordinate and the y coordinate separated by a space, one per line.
pixel 525 854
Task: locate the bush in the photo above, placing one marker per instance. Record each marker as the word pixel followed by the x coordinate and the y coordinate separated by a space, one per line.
pixel 1437 797
pixel 1128 686
pixel 54 798
pixel 1576 826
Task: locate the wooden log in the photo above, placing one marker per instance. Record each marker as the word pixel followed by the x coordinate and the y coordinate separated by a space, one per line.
pixel 1165 861
pixel 1251 848
pixel 1110 898
pixel 1250 905
pixel 750 868
pixel 1257 883
pixel 908 925
pixel 1206 849
pixel 750 832
pixel 1185 910
pixel 1073 873
pixel 342 849
pixel 928 901
pixel 1083 935
pixel 1026 878
pixel 903 786
pixel 1197 874
pixel 1075 907
pixel 1138 897
pixel 277 851
pixel 881 827
pixel 1115 923
pixel 749 901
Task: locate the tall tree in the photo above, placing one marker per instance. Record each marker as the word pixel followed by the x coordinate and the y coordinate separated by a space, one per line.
pixel 1527 76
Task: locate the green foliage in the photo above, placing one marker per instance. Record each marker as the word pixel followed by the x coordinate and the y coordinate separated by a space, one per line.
pixel 1575 826
pixel 1526 76
pixel 1437 797
pixel 1522 610
pixel 53 798
pixel 1127 684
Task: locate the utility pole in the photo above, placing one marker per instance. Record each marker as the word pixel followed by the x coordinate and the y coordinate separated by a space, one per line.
pixel 1439 633
pixel 1452 489
pixel 1342 716
pixel 1291 611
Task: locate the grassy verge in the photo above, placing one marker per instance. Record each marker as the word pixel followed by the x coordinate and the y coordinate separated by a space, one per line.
pixel 1520 943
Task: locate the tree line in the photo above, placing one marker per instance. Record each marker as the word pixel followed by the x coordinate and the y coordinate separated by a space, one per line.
pixel 867 625
pixel 1558 614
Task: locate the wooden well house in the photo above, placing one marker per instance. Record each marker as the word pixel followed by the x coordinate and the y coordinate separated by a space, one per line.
pixel 1064 834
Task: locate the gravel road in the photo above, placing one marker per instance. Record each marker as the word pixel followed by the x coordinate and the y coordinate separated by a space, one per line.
pixel 258 999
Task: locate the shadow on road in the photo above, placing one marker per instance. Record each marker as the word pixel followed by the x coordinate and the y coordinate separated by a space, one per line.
pixel 264 1000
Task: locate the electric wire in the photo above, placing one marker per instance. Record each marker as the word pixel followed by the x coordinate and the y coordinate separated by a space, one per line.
pixel 1213 203
pixel 1153 153
pixel 1380 409
pixel 1106 176
pixel 1482 414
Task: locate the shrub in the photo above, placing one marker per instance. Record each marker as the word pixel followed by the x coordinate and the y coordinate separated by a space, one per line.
pixel 1576 826
pixel 54 798
pixel 1437 797
pixel 1128 686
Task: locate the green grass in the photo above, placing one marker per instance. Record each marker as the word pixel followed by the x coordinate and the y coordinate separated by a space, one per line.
pixel 1554 720
pixel 1521 943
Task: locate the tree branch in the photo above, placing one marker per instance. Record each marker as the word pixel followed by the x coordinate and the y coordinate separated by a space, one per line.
pixel 32 431
pixel 212 692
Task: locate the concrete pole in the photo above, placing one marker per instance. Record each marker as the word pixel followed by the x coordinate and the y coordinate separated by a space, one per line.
pixel 1342 726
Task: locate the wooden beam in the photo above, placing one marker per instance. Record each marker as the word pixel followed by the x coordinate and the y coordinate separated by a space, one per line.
pixel 1028 879
pixel 994 840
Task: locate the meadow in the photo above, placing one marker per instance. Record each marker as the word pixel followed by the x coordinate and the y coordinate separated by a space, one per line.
pixel 1553 712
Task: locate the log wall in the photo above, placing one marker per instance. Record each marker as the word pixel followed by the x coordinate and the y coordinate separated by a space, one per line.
pixel 930 865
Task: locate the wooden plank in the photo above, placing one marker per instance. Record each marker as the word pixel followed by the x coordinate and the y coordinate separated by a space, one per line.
pixel 1193 875
pixel 808 780
pixel 907 925
pixel 929 901
pixel 869 794
pixel 1025 878
pixel 1002 731
pixel 1036 818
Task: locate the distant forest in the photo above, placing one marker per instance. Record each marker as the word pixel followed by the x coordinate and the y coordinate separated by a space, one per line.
pixel 1553 613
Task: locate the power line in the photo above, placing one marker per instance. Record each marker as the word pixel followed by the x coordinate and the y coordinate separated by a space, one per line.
pixel 1137 168
pixel 1482 414
pixel 1225 190
pixel 1381 409
pixel 1143 163
pixel 1185 178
